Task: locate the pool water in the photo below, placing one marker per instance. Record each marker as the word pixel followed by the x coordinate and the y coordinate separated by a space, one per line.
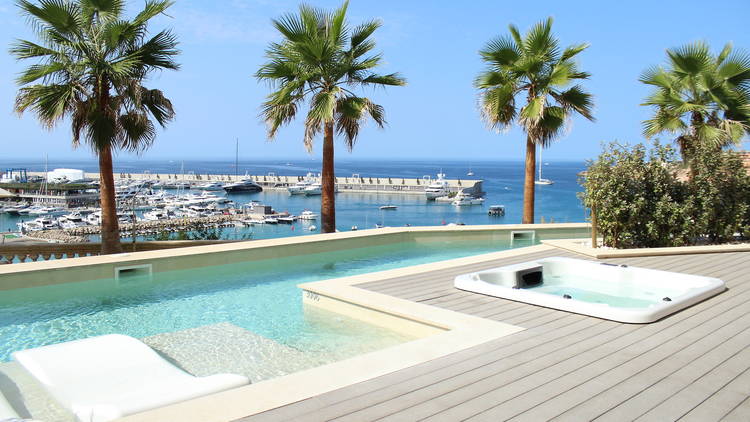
pixel 260 297
pixel 589 290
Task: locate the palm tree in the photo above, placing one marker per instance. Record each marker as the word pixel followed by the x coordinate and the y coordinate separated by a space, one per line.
pixel 532 66
pixel 91 64
pixel 702 98
pixel 319 62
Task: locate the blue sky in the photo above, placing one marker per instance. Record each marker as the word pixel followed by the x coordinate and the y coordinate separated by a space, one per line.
pixel 432 43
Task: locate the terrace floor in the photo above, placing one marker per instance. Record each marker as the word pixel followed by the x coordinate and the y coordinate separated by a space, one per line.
pixel 690 366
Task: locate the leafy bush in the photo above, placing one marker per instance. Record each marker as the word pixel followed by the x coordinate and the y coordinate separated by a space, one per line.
pixel 643 198
pixel 718 200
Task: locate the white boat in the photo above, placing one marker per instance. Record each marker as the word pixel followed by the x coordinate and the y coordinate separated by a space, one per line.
pixel 270 220
pixel 444 198
pixel 463 199
pixel 308 215
pixel 437 188
pixel 156 215
pixel 211 186
pixel 541 180
pixel 46 210
pixel 299 187
pixel 68 224
pixel 15 210
pixel 314 189
pixel 41 223
pixel 388 207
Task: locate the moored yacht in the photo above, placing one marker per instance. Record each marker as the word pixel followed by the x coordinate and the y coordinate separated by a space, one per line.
pixel 463 199
pixel 211 186
pixel 437 188
pixel 308 215
pixel 244 185
pixel 299 187
pixel 313 189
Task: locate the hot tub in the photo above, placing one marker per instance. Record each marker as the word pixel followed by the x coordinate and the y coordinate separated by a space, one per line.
pixel 614 292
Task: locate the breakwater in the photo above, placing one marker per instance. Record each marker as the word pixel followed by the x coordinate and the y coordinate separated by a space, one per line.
pixel 354 183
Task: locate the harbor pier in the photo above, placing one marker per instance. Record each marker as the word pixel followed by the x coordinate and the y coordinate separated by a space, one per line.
pixel 354 183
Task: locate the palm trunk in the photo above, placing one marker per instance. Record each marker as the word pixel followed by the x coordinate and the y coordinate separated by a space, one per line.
pixel 327 200
pixel 528 183
pixel 110 229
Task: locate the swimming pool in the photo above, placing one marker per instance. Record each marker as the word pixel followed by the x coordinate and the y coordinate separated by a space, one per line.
pixel 257 297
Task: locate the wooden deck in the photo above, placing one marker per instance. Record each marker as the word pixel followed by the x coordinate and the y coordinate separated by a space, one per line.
pixel 690 366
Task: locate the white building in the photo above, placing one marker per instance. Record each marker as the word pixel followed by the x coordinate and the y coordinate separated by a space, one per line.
pixel 66 175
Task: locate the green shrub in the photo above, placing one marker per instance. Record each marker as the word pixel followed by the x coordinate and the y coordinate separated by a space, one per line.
pixel 718 199
pixel 636 197
pixel 645 199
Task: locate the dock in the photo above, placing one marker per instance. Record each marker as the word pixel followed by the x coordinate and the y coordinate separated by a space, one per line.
pixel 80 234
pixel 354 184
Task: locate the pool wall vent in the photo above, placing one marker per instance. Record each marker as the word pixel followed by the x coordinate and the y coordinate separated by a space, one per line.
pixel 526 236
pixel 133 274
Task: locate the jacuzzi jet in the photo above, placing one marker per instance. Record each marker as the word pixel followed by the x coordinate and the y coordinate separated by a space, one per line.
pixel 567 297
pixel 667 299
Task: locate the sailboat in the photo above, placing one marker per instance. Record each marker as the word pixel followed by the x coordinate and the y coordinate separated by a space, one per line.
pixel 540 180
pixel 471 172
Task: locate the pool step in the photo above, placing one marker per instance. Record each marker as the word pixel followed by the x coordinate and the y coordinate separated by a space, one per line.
pixel 227 348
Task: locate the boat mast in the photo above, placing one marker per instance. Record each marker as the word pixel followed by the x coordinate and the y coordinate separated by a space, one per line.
pixel 46 174
pixel 540 162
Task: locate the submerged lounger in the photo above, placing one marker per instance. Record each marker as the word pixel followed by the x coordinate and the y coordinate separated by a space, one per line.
pixel 107 377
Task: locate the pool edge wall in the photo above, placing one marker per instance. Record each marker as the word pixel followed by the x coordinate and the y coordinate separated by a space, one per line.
pixel 36 274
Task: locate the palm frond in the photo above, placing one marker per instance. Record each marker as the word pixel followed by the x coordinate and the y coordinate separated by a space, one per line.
pixel 151 9
pixel 49 102
pixel 573 50
pixel 498 105
pixel 53 16
pixel 351 113
pixel 540 42
pixel 690 59
pixel 502 51
pixel 576 99
pixel 136 132
pixel 102 10
pixel 362 32
pixel 391 79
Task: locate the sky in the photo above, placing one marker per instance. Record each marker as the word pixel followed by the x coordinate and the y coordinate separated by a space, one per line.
pixel 433 44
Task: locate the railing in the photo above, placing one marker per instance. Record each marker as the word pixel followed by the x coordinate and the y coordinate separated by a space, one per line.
pixel 15 253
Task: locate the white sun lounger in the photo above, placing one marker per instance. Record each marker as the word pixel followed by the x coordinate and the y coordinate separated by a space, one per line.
pixel 6 411
pixel 107 377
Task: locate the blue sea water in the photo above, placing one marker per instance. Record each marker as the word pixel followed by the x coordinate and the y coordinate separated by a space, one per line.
pixel 503 182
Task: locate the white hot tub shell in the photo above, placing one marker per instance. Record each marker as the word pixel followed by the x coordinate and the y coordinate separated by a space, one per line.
pixel 614 292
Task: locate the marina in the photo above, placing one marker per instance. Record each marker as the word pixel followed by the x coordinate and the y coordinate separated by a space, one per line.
pixel 201 194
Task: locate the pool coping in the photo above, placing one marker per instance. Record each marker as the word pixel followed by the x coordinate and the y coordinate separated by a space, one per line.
pixel 580 246
pixel 462 331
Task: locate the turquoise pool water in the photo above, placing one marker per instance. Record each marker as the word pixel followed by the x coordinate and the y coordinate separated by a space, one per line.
pixel 260 297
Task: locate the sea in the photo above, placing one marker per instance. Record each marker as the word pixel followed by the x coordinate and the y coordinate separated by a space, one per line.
pixel 503 184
